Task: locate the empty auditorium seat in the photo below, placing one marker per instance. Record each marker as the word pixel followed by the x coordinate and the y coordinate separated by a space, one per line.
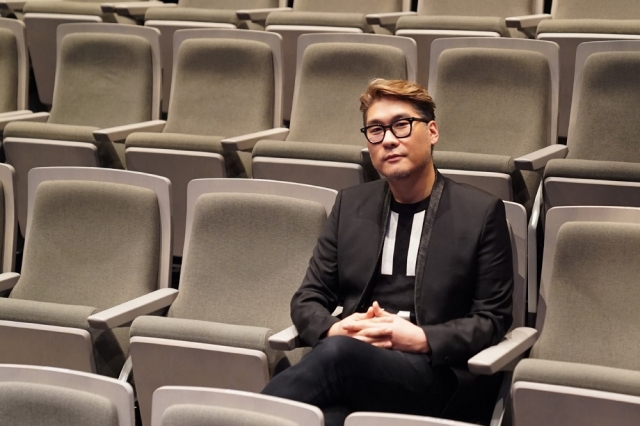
pixel 14 70
pixel 497 100
pixel 190 406
pixel 324 146
pixel 460 18
pixel 247 248
pixel 32 395
pixel 97 254
pixel 384 419
pixel 227 83
pixel 602 164
pixel 327 16
pixel 573 22
pixel 586 319
pixel 108 85
pixel 194 14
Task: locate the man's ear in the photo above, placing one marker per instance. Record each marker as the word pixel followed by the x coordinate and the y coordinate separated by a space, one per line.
pixel 432 126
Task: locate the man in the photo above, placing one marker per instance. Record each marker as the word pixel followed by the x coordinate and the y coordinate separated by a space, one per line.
pixel 420 264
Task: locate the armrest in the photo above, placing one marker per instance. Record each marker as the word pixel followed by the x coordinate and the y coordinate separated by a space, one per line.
pixel 135 9
pixel 526 22
pixel 120 133
pixel 12 6
pixel 128 311
pixel 40 117
pixel 247 142
pixel 539 159
pixel 493 359
pixel 286 340
pixel 257 15
pixel 8 280
pixel 386 18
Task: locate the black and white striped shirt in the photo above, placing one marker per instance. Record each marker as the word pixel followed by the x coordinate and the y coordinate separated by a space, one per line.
pixel 394 281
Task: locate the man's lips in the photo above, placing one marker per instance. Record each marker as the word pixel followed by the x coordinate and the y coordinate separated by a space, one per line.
pixel 393 157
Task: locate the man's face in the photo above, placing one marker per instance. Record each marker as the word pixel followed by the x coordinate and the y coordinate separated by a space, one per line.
pixel 400 158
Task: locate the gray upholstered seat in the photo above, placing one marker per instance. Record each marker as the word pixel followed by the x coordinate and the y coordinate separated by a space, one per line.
pixel 227 83
pixel 49 396
pixel 585 359
pixel 238 274
pixel 190 406
pixel 108 76
pixel 382 419
pixel 323 140
pixel 460 18
pixel 495 100
pixel 327 16
pixel 14 71
pixel 573 22
pixel 602 170
pixel 97 238
pixel 199 14
pixel 41 18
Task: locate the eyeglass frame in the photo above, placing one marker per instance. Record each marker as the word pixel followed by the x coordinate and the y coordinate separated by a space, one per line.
pixel 390 127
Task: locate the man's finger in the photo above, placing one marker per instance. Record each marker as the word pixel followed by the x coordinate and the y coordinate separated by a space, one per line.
pixel 378 311
pixel 376 332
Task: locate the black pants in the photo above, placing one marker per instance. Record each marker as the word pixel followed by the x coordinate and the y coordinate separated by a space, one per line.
pixel 342 375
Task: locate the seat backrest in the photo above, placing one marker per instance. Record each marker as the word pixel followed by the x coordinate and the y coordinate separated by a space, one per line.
pixel 225 83
pixel 501 8
pixel 191 406
pixel 14 66
pixel 95 237
pixel 33 395
pixel 230 4
pixel 332 72
pixel 603 124
pixel 8 218
pixel 591 314
pixel 595 9
pixel 348 6
pixel 494 96
pixel 107 75
pixel 246 247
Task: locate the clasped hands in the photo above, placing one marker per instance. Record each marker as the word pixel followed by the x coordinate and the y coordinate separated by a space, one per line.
pixel 382 329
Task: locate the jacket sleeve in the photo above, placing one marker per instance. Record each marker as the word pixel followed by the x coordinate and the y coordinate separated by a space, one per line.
pixel 454 342
pixel 318 296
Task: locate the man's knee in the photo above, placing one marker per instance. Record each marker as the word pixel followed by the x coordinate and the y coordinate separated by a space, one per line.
pixel 341 350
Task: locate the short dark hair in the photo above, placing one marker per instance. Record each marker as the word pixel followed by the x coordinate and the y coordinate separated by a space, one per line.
pixel 403 90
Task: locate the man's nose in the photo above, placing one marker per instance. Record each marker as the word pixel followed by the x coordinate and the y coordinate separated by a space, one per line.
pixel 389 138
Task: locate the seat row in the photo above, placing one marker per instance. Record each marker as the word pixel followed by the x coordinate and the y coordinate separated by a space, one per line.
pixel 570 23
pixel 503 148
pixel 57 396
pixel 94 287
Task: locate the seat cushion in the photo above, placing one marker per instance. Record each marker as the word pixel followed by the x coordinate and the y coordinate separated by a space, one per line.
pixel 233 160
pixel 69 8
pixel 200 415
pixel 595 377
pixel 315 151
pixel 8 71
pixel 461 23
pixel 39 404
pixel 214 333
pixel 192 14
pixel 110 347
pixel 320 19
pixel 525 184
pixel 598 26
pixel 593 169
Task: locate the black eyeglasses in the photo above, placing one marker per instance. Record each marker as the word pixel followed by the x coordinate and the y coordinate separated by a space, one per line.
pixel 400 128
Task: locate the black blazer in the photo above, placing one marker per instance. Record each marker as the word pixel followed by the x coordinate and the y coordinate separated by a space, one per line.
pixel 463 297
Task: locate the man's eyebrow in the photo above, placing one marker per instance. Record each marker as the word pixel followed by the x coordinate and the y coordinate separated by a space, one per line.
pixel 394 118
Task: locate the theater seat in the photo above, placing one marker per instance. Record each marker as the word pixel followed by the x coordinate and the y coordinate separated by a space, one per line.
pixel 97 254
pixel 32 395
pixel 247 248
pixel 190 406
